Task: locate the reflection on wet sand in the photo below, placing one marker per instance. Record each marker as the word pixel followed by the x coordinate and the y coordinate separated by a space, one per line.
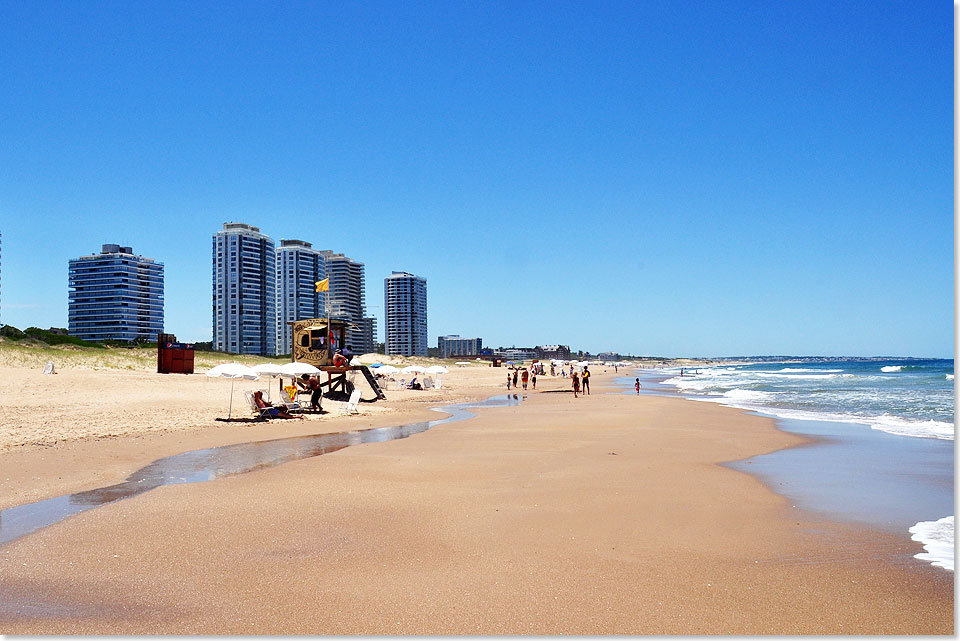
pixel 218 462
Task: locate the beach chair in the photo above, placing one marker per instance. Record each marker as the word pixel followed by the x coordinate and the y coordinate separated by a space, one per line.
pixel 261 412
pixel 350 407
pixel 289 403
pixel 427 382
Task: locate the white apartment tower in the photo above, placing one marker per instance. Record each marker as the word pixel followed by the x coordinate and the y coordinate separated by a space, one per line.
pixel 299 267
pixel 405 311
pixel 347 295
pixel 244 291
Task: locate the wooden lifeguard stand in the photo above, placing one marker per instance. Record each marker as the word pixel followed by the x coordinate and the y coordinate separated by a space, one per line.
pixel 315 341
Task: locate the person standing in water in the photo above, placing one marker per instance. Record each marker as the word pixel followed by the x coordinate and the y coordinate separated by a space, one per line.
pixel 637 385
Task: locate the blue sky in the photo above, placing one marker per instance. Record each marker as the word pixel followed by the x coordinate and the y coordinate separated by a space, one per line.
pixel 661 178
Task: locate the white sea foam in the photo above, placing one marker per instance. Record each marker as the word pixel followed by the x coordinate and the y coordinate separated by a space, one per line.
pixel 816 371
pixel 891 368
pixel 949 377
pixel 937 540
pixel 797 377
pixel 752 401
pixel 748 395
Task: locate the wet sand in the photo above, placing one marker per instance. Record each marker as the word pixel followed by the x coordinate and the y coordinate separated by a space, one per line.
pixel 604 514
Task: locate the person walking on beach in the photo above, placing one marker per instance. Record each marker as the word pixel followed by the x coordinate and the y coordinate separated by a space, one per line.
pixel 637 385
pixel 533 380
pixel 575 382
pixel 508 379
pixel 525 378
pixel 514 378
pixel 586 380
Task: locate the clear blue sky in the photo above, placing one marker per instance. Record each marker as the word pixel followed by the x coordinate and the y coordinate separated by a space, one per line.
pixel 662 178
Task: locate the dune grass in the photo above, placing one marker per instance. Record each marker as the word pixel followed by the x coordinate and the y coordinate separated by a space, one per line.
pixel 35 354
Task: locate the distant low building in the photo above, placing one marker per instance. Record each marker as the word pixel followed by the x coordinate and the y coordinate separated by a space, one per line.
pixel 454 345
pixel 518 353
pixel 559 352
pixel 608 356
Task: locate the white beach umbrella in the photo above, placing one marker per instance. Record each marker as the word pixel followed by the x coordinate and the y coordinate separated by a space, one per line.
pixel 412 369
pixel 298 369
pixel 272 370
pixel 437 369
pixel 268 369
pixel 387 369
pixel 233 371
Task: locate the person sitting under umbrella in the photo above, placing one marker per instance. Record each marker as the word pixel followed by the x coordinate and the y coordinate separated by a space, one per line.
pixel 273 412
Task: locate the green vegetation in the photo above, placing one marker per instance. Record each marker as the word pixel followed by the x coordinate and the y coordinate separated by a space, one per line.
pixel 55 338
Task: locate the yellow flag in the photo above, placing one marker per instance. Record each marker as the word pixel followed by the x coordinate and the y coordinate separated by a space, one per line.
pixel 323 285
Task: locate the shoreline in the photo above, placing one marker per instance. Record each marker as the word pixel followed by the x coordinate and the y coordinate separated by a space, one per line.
pixel 458 479
pixel 862 475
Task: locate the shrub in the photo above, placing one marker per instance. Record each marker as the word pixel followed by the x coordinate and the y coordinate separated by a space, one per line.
pixel 50 338
pixel 11 332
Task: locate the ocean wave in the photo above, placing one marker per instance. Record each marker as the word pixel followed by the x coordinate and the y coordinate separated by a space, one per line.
pixel 800 369
pixel 949 377
pixel 891 368
pixel 886 423
pixel 937 540
pixel 799 377
pixel 748 395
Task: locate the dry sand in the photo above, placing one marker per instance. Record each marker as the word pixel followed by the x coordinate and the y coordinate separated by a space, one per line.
pixel 603 514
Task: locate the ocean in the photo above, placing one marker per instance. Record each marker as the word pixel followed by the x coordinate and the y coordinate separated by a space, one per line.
pixel 885 432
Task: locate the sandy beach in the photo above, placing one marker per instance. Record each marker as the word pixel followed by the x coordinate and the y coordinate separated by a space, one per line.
pixel 606 514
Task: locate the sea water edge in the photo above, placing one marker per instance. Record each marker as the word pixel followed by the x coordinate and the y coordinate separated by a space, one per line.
pixel 886 431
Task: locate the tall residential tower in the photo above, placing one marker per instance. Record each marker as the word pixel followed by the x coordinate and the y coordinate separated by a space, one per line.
pixel 244 291
pixel 405 311
pixel 115 295
pixel 347 295
pixel 299 267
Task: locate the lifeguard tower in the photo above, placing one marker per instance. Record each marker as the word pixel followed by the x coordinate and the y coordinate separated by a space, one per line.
pixel 315 341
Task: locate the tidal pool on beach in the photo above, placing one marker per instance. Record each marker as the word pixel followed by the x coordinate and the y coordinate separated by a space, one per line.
pixel 218 462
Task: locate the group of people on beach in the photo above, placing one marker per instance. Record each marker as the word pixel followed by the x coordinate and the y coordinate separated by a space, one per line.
pixel 524 376
pixel 581 382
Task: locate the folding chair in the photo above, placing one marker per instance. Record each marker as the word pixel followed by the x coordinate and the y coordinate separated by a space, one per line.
pixel 289 403
pixel 261 412
pixel 350 407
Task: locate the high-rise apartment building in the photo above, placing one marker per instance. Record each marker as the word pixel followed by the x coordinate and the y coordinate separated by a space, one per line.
pixel 405 311
pixel 347 295
pixel 299 267
pixel 244 291
pixel 115 295
pixel 453 345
